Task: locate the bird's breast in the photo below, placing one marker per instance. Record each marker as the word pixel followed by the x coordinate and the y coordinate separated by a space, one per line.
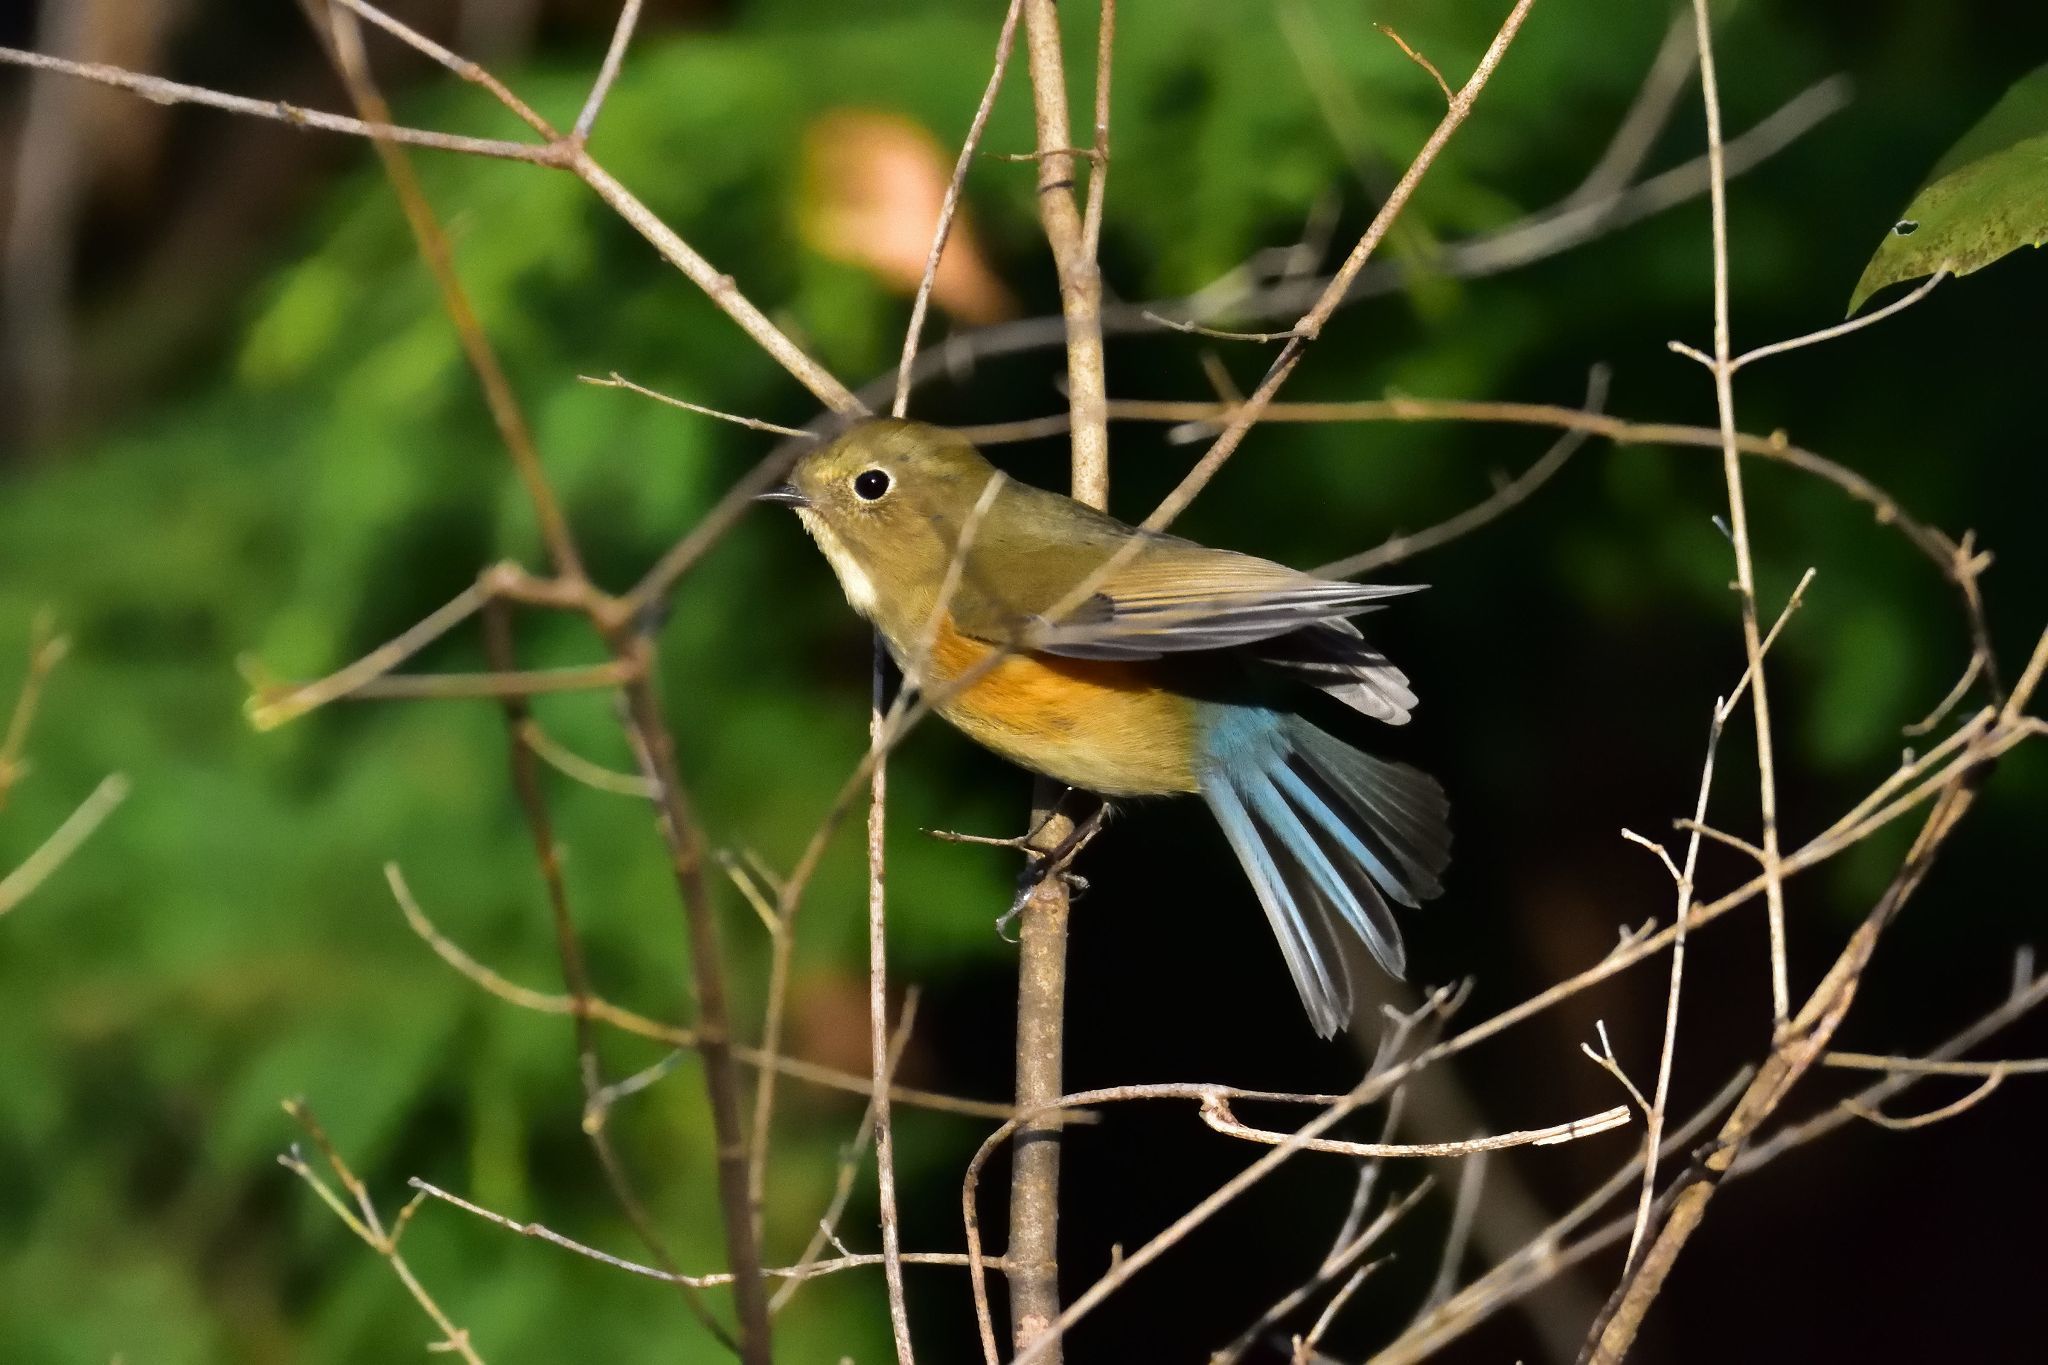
pixel 1106 726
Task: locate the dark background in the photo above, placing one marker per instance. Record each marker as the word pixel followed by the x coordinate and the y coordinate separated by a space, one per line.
pixel 235 426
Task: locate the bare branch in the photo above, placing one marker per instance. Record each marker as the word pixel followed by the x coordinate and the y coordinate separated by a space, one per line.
pixel 617 381
pixel 1216 1113
pixel 1005 40
pixel 64 841
pixel 614 56
pixel 362 1220
pixel 1509 495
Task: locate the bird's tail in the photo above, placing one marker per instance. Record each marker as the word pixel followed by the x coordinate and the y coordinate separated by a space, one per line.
pixel 1327 835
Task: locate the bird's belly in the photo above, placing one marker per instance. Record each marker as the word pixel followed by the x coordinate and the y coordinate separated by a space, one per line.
pixel 1104 726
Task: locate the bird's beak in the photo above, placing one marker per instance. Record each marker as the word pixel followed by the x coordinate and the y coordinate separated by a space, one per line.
pixel 784 493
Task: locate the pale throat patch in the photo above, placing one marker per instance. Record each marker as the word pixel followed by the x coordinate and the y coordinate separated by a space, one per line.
pixel 859 588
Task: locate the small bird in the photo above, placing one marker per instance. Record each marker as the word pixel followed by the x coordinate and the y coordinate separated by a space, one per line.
pixel 1129 663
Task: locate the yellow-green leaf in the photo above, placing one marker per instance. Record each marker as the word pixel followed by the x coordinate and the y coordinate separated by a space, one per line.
pixel 1987 197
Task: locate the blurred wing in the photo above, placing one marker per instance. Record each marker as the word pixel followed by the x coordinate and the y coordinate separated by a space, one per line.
pixel 1181 597
pixel 1331 656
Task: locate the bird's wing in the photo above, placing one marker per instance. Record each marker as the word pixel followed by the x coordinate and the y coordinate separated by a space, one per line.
pixel 1171 596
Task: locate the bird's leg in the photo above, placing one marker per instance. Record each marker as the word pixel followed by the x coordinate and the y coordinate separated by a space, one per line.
pixel 1055 861
pixel 1022 842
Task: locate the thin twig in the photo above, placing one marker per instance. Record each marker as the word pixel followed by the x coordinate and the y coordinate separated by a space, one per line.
pixel 1340 1260
pixel 614 57
pixel 363 1221
pixel 1416 57
pixel 617 381
pixel 526 784
pixel 460 66
pixel 1932 1116
pixel 1723 369
pixel 913 333
pixel 63 841
pixel 617 1017
pixel 1842 328
pixel 1311 324
pixel 1923 1066
pixel 1503 499
pixel 160 91
pixel 1216 1113
pixel 46 650
pixel 715 1280
pixel 878 1011
pixel 849 1164
pixel 1033 1250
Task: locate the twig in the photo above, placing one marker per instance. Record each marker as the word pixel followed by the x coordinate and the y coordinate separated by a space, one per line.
pixel 1508 496
pixel 532 682
pixel 849 1164
pixel 715 1280
pixel 576 767
pixel 1723 369
pixel 1248 294
pixel 273 707
pixel 160 91
pixel 1033 1249
pixel 1416 57
pixel 526 784
pixel 1341 1258
pixel 949 206
pixel 624 1020
pixel 1841 328
pixel 63 841
pixel 1798 1045
pixel 46 650
pixel 1667 1055
pixel 1922 1066
pixel 460 66
pixel 1311 324
pixel 1305 1349
pixel 614 56
pixel 617 381
pixel 1550 1255
pixel 363 1221
pixel 878 1011
pixel 1543 1256
pixel 1216 1113
pixel 1933 1116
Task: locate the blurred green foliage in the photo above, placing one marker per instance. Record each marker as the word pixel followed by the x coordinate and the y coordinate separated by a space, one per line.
pixel 227 939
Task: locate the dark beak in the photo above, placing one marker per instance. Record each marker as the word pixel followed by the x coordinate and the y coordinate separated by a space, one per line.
pixel 785 494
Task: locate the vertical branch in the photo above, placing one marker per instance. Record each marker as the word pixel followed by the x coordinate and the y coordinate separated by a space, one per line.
pixel 655 748
pixel 643 722
pixel 1080 280
pixel 1032 1257
pixel 878 1008
pixel 1723 369
pixel 533 804
pixel 344 41
pixel 1006 40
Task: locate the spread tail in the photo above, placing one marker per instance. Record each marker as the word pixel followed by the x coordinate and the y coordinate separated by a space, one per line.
pixel 1327 835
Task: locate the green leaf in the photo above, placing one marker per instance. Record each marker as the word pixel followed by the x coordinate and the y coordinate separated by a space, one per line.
pixel 1987 197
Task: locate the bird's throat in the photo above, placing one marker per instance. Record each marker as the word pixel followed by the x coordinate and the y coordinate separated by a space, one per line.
pixel 853 579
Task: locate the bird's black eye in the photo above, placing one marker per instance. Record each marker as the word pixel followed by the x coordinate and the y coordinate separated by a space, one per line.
pixel 871 483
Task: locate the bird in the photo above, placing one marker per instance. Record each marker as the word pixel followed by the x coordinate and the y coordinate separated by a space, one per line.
pixel 1131 663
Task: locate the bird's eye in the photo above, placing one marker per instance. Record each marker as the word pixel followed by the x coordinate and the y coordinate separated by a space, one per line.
pixel 871 484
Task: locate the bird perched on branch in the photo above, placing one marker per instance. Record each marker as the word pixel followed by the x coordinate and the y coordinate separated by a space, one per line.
pixel 1132 663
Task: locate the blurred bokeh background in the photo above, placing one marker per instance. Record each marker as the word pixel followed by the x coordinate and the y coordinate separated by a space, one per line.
pixel 235 425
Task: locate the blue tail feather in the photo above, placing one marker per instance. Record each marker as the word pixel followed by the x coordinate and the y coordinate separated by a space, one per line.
pixel 1328 836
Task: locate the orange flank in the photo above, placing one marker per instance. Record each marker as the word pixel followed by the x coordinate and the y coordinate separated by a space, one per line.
pixel 1102 725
